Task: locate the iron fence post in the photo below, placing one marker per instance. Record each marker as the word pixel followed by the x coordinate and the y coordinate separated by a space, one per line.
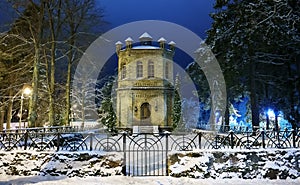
pixel 167 148
pixel 263 138
pixel 42 141
pixel 199 140
pixel 124 134
pixel 91 135
pixel 294 133
pixel 16 134
pixel 26 140
pixel 58 141
pixel 9 140
pixel 231 139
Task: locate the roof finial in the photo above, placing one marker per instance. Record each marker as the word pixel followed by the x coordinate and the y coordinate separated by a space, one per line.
pixel 172 45
pixel 129 41
pixel 162 42
pixel 118 46
pixel 145 39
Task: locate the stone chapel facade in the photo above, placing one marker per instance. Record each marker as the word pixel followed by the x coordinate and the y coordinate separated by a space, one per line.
pixel 145 89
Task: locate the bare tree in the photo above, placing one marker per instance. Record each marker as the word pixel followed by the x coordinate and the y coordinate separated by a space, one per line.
pixel 15 64
pixel 53 30
pixel 80 17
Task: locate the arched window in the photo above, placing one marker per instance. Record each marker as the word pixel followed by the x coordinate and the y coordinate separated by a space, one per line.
pixel 167 70
pixel 123 71
pixel 139 69
pixel 150 69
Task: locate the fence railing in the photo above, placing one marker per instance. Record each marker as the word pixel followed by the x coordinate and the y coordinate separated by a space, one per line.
pixel 50 129
pixel 145 154
pixel 67 139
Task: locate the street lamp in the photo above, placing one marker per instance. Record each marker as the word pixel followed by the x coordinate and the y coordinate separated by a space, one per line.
pixel 25 91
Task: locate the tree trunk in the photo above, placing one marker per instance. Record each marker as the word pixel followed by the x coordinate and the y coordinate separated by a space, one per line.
pixel 226 126
pixel 32 118
pixel 291 118
pixel 268 101
pixel 9 109
pixel 1 117
pixel 51 82
pixel 68 83
pixel 276 121
pixel 297 89
pixel 51 90
pixel 83 108
pixel 68 94
pixel 268 121
pixel 34 98
pixel 253 96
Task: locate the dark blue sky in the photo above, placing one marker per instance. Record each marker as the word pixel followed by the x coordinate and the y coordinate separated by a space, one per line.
pixel 192 14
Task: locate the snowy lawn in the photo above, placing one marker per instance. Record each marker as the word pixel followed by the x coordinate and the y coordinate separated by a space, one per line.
pixel 124 180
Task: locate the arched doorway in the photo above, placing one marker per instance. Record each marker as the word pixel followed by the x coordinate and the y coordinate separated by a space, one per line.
pixel 145 113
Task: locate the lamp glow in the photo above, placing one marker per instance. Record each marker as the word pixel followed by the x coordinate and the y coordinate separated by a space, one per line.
pixel 27 90
pixel 271 113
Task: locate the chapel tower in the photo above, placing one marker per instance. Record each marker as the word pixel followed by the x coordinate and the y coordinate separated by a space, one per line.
pixel 145 90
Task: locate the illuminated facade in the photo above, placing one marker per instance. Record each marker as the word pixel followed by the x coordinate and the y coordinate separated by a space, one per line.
pixel 145 83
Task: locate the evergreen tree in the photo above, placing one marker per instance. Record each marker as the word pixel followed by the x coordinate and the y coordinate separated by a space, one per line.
pixel 256 43
pixel 203 92
pixel 176 112
pixel 107 115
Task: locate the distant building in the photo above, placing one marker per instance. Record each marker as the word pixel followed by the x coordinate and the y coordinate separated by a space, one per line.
pixel 145 83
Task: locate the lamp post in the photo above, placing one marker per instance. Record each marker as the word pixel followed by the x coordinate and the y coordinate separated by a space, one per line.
pixel 25 91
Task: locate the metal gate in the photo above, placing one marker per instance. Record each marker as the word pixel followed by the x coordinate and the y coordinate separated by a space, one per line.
pixel 146 155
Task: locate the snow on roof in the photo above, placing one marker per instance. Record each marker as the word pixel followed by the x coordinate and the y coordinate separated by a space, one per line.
pixel 145 47
pixel 119 43
pixel 172 43
pixel 162 39
pixel 145 36
pixel 129 39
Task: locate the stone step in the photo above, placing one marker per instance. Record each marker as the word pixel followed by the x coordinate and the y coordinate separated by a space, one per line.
pixel 145 129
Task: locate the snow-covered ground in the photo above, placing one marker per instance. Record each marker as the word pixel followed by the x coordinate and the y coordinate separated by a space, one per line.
pixel 124 180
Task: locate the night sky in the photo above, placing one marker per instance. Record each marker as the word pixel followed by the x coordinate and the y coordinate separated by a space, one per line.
pixel 192 14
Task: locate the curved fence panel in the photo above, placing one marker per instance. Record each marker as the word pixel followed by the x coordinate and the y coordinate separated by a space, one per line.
pixel 50 139
pixel 145 154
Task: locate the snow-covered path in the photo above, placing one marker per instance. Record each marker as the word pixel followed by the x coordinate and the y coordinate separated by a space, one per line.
pixel 162 180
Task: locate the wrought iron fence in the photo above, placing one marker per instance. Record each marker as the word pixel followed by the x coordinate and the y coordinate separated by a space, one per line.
pixel 71 140
pixel 145 153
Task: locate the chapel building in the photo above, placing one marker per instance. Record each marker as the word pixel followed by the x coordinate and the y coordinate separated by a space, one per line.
pixel 145 91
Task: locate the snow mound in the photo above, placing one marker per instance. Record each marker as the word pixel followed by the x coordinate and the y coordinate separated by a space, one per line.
pixel 259 164
pixel 78 164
